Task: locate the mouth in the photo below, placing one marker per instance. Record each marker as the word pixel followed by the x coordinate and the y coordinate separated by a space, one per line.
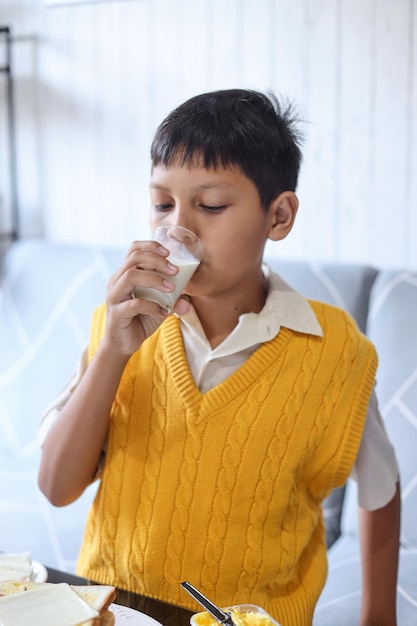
pixel 198 270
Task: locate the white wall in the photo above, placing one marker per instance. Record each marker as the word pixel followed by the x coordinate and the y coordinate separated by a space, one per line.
pixel 94 80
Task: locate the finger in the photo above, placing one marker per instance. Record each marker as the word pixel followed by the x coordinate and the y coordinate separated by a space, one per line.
pixel 137 307
pixel 182 305
pixel 150 246
pixel 138 278
pixel 147 256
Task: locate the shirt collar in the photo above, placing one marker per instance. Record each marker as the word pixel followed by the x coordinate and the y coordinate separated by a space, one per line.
pixel 284 307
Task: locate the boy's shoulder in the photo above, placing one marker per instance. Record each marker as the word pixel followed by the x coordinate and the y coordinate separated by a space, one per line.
pixel 323 308
pixel 332 317
pixel 341 334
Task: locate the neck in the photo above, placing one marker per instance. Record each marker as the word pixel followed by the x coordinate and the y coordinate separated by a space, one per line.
pixel 219 315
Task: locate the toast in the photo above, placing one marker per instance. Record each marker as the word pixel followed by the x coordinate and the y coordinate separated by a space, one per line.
pixel 106 619
pixel 7 587
pixel 98 597
pixel 16 566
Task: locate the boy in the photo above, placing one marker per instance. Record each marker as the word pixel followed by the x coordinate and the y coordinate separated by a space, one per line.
pixel 225 425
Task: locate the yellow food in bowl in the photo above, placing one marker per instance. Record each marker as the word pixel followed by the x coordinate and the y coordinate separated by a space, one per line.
pixel 242 616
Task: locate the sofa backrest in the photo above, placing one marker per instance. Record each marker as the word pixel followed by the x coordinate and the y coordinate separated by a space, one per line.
pixel 345 285
pixel 47 297
pixel 392 326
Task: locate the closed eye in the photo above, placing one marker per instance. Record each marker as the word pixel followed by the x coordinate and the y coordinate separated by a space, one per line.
pixel 163 207
pixel 213 209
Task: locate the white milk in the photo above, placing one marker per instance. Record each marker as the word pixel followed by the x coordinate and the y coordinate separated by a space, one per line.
pixel 187 267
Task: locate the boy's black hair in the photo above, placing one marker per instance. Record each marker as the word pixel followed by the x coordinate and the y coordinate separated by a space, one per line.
pixel 234 127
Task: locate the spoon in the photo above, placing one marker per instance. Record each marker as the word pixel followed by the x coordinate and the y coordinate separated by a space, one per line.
pixel 221 616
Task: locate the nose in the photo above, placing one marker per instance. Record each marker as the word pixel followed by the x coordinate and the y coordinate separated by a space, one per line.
pixel 180 240
pixel 182 217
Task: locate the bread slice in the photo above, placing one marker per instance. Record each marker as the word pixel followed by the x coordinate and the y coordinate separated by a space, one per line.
pixel 7 587
pixel 105 619
pixel 20 557
pixel 99 597
pixel 16 566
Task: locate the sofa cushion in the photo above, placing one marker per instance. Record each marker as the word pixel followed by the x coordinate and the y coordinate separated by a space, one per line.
pixel 47 296
pixel 344 285
pixel 341 598
pixel 392 327
pixel 348 287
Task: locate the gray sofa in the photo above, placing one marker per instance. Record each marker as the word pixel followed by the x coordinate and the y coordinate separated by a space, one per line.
pixel 46 297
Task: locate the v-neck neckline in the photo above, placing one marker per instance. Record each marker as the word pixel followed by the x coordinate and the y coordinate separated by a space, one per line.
pixel 235 384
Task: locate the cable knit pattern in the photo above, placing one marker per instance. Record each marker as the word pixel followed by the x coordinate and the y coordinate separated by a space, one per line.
pixel 145 506
pixel 224 488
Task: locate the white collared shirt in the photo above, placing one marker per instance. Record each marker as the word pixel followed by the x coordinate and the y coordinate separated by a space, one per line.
pixel 283 307
pixel 375 470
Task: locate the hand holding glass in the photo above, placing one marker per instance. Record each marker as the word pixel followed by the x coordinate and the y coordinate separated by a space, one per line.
pixel 185 251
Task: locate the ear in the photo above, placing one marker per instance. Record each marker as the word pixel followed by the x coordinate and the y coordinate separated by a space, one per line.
pixel 283 210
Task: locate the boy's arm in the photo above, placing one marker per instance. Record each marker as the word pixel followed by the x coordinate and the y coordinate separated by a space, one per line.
pixel 73 444
pixel 72 447
pixel 379 539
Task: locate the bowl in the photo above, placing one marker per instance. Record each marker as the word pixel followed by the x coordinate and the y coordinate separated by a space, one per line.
pixel 242 615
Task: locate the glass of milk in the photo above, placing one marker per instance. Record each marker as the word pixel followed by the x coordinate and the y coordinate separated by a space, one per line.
pixel 186 251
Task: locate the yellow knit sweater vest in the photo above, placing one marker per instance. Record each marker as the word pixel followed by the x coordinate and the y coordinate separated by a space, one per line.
pixel 224 488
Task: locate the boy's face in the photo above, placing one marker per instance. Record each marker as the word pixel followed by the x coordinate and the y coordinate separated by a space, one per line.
pixel 222 207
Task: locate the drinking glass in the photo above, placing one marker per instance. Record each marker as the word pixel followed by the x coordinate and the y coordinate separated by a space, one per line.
pixel 185 251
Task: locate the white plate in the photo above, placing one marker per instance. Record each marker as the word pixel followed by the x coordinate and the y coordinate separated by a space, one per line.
pixel 130 617
pixel 39 574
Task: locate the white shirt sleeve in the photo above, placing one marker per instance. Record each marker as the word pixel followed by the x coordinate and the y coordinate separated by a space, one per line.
pixel 375 469
pixel 53 410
